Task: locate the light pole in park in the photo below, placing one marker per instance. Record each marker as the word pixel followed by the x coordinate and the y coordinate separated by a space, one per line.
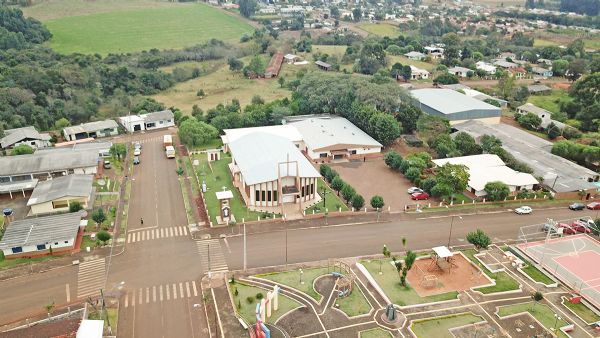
pixel 556 321
pixel 451 225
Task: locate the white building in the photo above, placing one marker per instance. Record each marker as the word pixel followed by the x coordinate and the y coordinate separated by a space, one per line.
pixel 459 71
pixel 57 195
pixel 418 73
pixel 37 236
pixel 26 135
pixel 282 130
pixel 417 56
pixel 487 168
pixel 270 171
pixel 486 67
pixel 542 113
pixel 149 121
pixel 92 129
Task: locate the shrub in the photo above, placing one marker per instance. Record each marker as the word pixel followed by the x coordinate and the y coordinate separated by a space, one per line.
pixel 324 169
pixel 413 173
pixel 348 192
pixel 103 236
pixel 479 239
pixel 357 201
pixel 259 296
pixel 236 292
pixel 75 206
pixel 250 299
pixel 377 202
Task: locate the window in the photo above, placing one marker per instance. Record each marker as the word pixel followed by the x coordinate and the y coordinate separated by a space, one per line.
pixel 263 195
pixel 66 242
pixel 302 191
pixel 60 204
pixel 322 155
pixel 17 249
pixel 312 188
pixel 274 196
pixel 4 179
pixel 257 195
pixel 160 122
pixel 41 247
pixel 297 146
pixel 32 143
pixel 55 243
pixel 353 152
pixel 269 195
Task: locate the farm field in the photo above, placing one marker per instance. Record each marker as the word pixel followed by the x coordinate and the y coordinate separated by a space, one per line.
pixel 55 9
pixel 135 30
pixel 381 29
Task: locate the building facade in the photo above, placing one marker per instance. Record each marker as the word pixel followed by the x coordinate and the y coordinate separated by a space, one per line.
pixel 149 121
pixel 96 129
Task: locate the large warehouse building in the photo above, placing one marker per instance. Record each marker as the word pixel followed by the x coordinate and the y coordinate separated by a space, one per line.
pixel 454 106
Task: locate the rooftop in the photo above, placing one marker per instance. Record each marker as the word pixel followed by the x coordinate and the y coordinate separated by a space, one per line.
pixel 531 108
pixel 70 185
pixel 90 127
pixel 564 175
pixel 41 230
pixel 448 101
pixel 319 132
pixel 415 54
pixel 12 136
pixel 285 130
pixel 259 156
pixel 158 115
pixel 48 161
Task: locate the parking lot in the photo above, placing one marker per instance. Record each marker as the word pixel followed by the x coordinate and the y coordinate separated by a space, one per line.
pixel 375 178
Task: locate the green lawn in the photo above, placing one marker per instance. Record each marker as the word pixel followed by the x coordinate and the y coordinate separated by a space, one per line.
pixel 439 327
pixel 247 309
pixel 537 275
pixel 375 333
pixel 354 304
pixel 541 312
pixel 543 43
pixel 87 241
pixel 390 283
pixel 381 29
pixel 406 61
pixel 215 180
pixel 332 201
pixel 143 29
pixel 582 311
pixel 550 102
pixel 213 144
pixel 504 282
pixel 292 279
pixel 11 263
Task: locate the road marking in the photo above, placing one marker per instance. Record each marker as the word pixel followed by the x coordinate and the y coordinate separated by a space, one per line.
pixel 157 233
pixel 90 277
pixel 129 238
pixel 185 231
pixel 187 289
pixel 181 289
pixel 152 233
pixel 140 297
pixel 68 293
pixel 133 298
pixel 160 293
pixel 217 259
pixel 126 300
pixel 147 295
pixel 194 287
pixel 174 291
pixel 170 232
pixel 143 236
pixel 168 292
pixel 154 294
pixel 227 245
pixel 138 236
pixel 161 233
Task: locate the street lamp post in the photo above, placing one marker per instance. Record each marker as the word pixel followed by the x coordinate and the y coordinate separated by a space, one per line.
pixel 556 321
pixel 451 225
pixel 301 272
pixel 286 247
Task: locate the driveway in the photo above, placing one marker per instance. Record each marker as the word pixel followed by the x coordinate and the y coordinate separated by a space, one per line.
pixel 375 178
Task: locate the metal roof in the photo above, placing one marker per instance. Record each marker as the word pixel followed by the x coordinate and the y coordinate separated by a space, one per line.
pixel 448 101
pixel 288 131
pixel 41 230
pixel 531 108
pixel 13 136
pixel 90 127
pixel 48 161
pixel 325 131
pixel 158 116
pixel 70 185
pixel 259 154
pixel 322 64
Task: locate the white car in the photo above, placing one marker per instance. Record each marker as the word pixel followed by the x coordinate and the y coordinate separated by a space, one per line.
pixel 413 190
pixel 524 210
pixel 137 152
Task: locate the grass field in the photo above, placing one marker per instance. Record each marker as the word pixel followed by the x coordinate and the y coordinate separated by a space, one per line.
pixel 375 333
pixel 354 304
pixel 332 201
pixel 537 275
pixel 406 61
pixel 390 283
pixel 380 29
pixel 582 311
pixel 247 309
pixel 56 9
pixel 223 85
pixel 143 29
pixel 292 279
pixel 504 282
pixel 439 327
pixel 541 312
pixel 550 102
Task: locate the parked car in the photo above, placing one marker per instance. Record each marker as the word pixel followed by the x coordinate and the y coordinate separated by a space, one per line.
pixel 577 206
pixel 523 210
pixel 567 228
pixel 419 196
pixel 107 164
pixel 547 227
pixel 136 160
pixel 588 221
pixel 413 190
pixel 137 152
pixel 137 145
pixel 580 226
pixel 594 206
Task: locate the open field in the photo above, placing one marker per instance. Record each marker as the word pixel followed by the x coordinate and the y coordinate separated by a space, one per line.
pixel 550 102
pixel 56 9
pixel 543 313
pixel 406 61
pixel 439 326
pixel 223 85
pixel 292 279
pixel 381 29
pixel 142 29
pixel 582 311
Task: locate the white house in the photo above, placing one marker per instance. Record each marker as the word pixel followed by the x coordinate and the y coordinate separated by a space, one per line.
pixel 417 56
pixel 282 130
pixel 418 73
pixel 58 194
pixel 32 237
pixel 459 71
pixel 486 67
pixel 26 135
pixel 270 171
pixel 327 138
pixel 435 52
pixel 542 113
pixel 487 168
pixel 92 129
pixel 149 121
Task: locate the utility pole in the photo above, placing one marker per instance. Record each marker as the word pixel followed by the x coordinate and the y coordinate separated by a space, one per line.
pixel 104 311
pixel 286 248
pixel 245 247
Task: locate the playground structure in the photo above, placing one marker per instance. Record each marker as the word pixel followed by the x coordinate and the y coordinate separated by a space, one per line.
pixel 344 281
pixel 263 311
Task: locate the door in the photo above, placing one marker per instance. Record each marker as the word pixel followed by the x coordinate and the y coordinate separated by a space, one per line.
pixel 289 199
pixel 338 157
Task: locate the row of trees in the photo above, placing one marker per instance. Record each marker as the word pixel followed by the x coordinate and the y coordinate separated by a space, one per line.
pixel 347 192
pixel 586 155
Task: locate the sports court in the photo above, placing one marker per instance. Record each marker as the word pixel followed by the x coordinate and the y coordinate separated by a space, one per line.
pixel 574 260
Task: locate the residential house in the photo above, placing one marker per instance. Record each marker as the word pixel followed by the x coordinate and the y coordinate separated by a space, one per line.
pixel 418 73
pixel 291 58
pixel 57 195
pixel 486 67
pixel 486 168
pixel 543 114
pixel 544 62
pixel 518 72
pixel 539 89
pixel 39 236
pixel 505 64
pixel 25 135
pixel 507 55
pixel 542 71
pixel 416 56
pixel 459 71
pixel 92 129
pixel 434 52
pixel 148 121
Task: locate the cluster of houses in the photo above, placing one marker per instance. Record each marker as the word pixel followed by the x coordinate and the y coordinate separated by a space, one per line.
pixel 56 177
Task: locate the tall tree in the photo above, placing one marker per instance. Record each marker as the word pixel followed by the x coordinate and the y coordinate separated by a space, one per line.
pixel 455 176
pixel 247 7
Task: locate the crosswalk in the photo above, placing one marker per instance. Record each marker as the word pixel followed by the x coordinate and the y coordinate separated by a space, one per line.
pixel 152 139
pixel 156 233
pixel 161 293
pixel 217 259
pixel 90 277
